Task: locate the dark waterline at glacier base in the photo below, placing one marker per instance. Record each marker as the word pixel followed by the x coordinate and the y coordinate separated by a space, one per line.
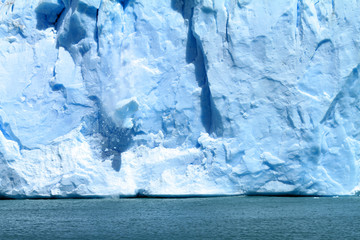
pixel 181 218
pixel 142 194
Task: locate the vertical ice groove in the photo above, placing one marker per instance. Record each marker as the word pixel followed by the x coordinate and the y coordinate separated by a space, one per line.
pixel 227 28
pixel 96 34
pixel 210 116
pixel 299 12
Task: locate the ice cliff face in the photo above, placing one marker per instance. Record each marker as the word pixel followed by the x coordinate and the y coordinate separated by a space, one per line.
pixel 179 97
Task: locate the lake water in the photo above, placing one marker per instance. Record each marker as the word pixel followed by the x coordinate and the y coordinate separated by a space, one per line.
pixel 188 218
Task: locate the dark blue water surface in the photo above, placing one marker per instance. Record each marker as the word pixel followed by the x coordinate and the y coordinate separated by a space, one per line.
pixel 191 218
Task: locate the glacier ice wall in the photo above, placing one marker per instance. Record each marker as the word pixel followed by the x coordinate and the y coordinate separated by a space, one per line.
pixel 179 97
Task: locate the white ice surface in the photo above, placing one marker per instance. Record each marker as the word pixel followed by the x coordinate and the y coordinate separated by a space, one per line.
pixel 105 97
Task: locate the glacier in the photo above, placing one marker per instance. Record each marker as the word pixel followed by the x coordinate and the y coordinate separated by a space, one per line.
pixel 179 97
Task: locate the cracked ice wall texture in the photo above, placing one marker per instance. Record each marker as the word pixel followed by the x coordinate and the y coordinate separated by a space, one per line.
pixel 180 97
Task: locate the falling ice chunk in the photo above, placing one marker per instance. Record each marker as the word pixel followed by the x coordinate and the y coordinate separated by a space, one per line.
pixel 124 112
